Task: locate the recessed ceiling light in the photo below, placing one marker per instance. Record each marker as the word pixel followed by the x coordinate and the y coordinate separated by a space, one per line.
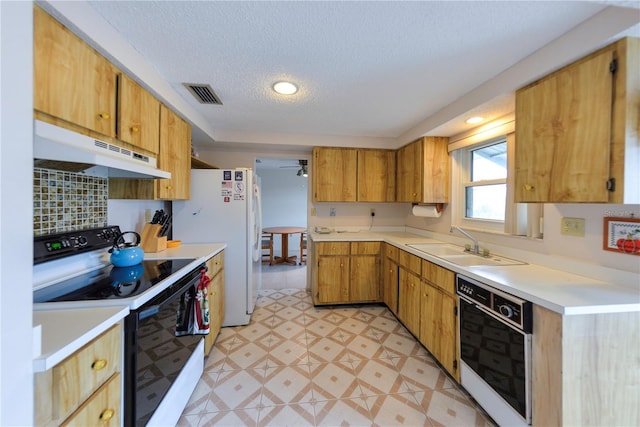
pixel 474 120
pixel 285 88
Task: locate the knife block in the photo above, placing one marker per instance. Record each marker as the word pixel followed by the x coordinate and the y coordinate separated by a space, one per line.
pixel 149 240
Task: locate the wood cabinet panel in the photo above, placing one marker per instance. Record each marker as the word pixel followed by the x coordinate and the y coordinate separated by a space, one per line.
pixel 332 279
pixel 72 81
pixel 333 248
pixel 365 248
pixel 216 297
pixel 138 115
pixel 102 409
pixel 364 282
pixel 423 171
pixel 390 283
pixel 438 326
pixel 439 277
pixel 334 174
pixel 78 376
pixel 409 300
pixel 410 262
pixel 563 134
pixel 391 252
pixel 376 175
pixel 175 156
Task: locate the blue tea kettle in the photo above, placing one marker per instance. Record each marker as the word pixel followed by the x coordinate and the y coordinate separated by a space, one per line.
pixel 126 254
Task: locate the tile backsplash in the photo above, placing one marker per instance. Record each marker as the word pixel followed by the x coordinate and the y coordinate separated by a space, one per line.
pixel 67 201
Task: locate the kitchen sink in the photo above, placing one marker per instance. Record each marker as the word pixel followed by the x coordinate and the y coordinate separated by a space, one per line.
pixel 468 260
pixel 438 249
pixel 457 255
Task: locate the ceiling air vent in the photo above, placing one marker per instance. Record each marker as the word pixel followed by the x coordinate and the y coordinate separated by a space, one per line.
pixel 203 93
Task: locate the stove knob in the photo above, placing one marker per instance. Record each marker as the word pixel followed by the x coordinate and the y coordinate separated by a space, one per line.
pixel 82 241
pixel 505 310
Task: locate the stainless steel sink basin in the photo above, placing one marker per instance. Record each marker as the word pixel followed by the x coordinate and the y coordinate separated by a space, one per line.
pixel 468 260
pixel 457 255
pixel 438 249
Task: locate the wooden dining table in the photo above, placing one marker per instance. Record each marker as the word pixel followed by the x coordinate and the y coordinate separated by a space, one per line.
pixel 284 231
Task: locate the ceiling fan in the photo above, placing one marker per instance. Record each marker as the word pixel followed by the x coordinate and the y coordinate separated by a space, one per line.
pixel 302 165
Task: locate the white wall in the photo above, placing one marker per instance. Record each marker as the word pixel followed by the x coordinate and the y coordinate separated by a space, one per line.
pixel 284 203
pixel 130 214
pixel 16 219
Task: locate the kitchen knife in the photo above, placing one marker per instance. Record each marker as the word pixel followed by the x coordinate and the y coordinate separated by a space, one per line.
pixel 165 226
pixel 156 217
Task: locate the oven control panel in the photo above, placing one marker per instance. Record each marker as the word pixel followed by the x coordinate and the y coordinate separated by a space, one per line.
pixel 507 307
pixel 54 246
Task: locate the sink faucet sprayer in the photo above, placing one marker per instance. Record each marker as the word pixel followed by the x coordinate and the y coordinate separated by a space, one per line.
pixel 476 247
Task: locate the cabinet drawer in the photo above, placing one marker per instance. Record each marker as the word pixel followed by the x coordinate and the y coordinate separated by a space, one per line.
pixel 391 252
pixel 215 265
pixel 439 276
pixel 333 248
pixel 365 248
pixel 102 409
pixel 410 262
pixel 78 376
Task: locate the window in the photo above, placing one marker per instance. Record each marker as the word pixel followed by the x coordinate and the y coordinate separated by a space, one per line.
pixel 486 187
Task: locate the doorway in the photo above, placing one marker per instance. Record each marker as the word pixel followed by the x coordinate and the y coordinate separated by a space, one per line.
pixel 285 193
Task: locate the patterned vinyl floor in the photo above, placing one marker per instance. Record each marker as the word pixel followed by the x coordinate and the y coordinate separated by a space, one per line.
pixel 297 365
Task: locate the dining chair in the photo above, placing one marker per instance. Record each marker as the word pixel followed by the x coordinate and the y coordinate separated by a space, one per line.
pixel 303 248
pixel 267 247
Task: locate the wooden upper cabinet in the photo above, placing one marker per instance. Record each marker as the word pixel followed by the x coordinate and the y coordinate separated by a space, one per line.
pixel 574 127
pixel 72 81
pixel 376 175
pixel 423 171
pixel 334 174
pixel 138 115
pixel 175 156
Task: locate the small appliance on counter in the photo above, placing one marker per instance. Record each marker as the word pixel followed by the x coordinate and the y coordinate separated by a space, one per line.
pixel 159 374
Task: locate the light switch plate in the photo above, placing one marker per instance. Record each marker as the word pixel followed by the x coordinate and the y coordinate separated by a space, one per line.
pixel 572 226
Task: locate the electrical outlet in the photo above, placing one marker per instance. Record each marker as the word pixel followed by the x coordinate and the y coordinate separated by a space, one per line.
pixel 572 226
pixel 313 211
pixel 332 212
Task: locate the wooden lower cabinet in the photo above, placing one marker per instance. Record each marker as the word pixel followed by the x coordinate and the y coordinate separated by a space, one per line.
pixel 85 388
pixel 215 271
pixel 409 300
pixel 390 277
pixel 346 272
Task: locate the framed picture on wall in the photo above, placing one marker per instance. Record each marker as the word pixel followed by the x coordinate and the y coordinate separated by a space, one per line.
pixel 621 235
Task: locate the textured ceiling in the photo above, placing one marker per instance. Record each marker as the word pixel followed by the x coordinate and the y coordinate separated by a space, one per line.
pixel 372 69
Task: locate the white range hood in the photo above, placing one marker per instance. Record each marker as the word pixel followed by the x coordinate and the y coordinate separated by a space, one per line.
pixel 58 145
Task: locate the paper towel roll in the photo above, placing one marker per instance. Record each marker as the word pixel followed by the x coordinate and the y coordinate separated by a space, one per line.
pixel 430 211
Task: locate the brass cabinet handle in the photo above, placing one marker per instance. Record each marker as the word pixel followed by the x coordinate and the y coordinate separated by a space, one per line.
pixel 169 187
pixel 217 263
pixel 412 285
pixel 99 364
pixel 107 414
pixel 105 116
pixel 528 187
pixel 135 129
pixel 213 294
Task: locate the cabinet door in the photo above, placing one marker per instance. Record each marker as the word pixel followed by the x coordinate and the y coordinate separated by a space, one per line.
pixel 563 134
pixel 102 408
pixel 410 173
pixel 215 271
pixel 376 176
pixel 438 326
pixel 334 174
pixel 390 284
pixel 409 301
pixel 175 156
pixel 138 115
pixel 364 283
pixel 332 279
pixel 72 81
pixel 435 187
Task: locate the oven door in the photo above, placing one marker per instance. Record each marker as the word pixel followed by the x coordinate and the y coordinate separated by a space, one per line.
pixel 155 356
pixel 495 364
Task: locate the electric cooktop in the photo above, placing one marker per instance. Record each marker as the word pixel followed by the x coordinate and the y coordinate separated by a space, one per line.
pixel 111 282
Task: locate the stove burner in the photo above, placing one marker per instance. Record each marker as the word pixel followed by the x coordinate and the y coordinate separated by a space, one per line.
pixel 111 282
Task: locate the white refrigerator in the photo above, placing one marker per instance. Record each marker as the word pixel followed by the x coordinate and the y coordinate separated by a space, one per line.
pixel 225 207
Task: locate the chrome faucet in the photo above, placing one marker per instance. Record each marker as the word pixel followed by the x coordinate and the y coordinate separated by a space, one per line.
pixel 476 247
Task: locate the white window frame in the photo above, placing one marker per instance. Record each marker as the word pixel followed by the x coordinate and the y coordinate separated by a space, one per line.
pixel 461 167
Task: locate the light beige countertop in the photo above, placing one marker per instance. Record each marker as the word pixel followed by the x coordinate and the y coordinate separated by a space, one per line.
pixel 560 291
pixel 63 332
